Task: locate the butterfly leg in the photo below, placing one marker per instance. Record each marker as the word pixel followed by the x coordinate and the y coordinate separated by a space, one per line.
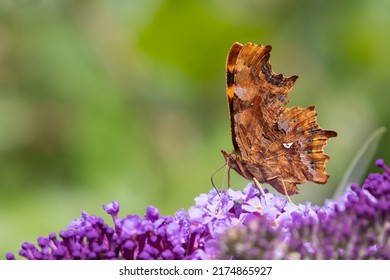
pixel 257 183
pixel 285 191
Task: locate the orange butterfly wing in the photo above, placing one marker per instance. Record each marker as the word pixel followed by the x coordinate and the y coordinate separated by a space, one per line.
pixel 274 144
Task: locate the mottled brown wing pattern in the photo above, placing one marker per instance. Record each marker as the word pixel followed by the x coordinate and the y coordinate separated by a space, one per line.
pixel 301 127
pixel 251 83
pixel 274 144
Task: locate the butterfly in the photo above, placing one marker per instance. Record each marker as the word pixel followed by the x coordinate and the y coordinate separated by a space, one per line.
pixel 274 144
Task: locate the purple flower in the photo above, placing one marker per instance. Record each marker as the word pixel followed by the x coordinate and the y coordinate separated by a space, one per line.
pixel 357 226
pixel 234 225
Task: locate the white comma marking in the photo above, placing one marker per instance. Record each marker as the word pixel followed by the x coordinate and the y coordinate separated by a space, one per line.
pixel 287 145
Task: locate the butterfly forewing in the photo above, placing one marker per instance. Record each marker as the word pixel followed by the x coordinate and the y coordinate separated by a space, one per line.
pixel 274 144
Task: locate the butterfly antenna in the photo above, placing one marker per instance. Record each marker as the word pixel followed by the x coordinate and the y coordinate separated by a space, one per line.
pixel 212 177
pixel 228 176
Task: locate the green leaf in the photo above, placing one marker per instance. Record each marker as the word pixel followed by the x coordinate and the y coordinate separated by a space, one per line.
pixel 360 163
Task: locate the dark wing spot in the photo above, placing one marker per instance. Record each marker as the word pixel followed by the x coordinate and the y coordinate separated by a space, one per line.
pixel 254 70
pixel 312 130
pixel 271 96
pixel 277 80
pixel 230 78
pixel 309 151
pixel 282 98
pixel 266 137
pixel 312 164
pixel 309 140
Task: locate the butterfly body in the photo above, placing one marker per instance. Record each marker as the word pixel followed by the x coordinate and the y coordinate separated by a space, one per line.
pixel 272 143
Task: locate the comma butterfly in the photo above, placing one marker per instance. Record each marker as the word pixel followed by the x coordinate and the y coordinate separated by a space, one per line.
pixel 272 143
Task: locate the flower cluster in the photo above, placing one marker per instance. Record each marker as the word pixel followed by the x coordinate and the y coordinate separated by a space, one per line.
pixel 191 234
pixel 235 225
pixel 357 226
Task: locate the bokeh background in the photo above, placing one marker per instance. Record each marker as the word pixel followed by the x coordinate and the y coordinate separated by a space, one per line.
pixel 125 100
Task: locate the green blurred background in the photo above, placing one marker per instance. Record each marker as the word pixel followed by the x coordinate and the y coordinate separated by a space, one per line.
pixel 125 100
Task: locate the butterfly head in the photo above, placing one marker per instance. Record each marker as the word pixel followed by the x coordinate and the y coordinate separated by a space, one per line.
pixel 237 163
pixel 231 159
